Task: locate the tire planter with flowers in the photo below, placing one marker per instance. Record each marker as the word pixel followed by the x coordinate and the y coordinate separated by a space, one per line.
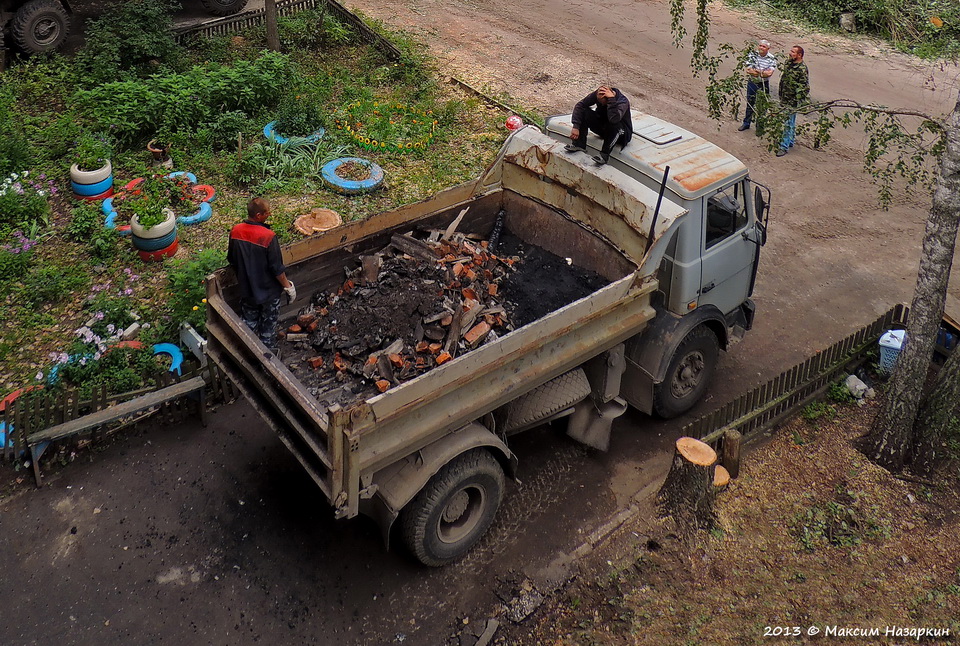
pixel 271 134
pixel 91 184
pixel 347 186
pixel 202 192
pixel 388 126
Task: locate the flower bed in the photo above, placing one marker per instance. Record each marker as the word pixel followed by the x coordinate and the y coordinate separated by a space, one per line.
pixel 388 126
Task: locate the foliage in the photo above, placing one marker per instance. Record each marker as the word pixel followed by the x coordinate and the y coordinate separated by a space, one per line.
pixel 299 115
pixel 270 166
pixel 23 200
pixel 388 126
pixel 311 30
pixel 223 133
pixel 185 101
pixel 92 150
pixel 128 38
pixel 926 27
pixel 186 284
pixel 86 219
pixel 838 393
pixel 816 410
pixel 51 283
pixel 103 243
pixel 155 193
pixel 15 256
pixel 894 149
pixel 839 523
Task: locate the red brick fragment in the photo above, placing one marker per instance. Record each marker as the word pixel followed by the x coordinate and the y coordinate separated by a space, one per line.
pixel 305 319
pixel 435 348
pixel 484 244
pixel 324 311
pixel 315 362
pixel 471 275
pixel 443 357
pixel 383 385
pixel 446 320
pixel 396 360
pixel 492 289
pixel 421 363
pixel 348 286
pixel 372 359
pixel 423 346
pixel 312 326
pixel 339 363
pixel 457 269
pixel 469 294
pixel 294 329
pixel 477 333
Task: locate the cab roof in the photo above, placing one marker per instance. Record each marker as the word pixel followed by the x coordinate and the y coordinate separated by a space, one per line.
pixel 697 167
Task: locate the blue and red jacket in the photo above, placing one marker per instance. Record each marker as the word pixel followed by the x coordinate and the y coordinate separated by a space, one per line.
pixel 254 253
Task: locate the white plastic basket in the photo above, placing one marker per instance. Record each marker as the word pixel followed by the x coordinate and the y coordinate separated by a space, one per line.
pixel 890 344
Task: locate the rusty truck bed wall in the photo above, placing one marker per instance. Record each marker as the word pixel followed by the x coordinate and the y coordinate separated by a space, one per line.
pixel 342 449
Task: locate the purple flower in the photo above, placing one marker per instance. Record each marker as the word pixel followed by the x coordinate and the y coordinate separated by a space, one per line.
pixel 98 316
pixel 128 292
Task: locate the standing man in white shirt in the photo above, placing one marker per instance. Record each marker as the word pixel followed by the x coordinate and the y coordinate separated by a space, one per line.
pixel 760 66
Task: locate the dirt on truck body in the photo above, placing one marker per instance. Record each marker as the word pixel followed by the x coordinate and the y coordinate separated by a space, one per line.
pixel 431 449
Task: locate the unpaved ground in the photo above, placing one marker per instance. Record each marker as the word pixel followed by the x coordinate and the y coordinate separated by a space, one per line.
pixel 810 536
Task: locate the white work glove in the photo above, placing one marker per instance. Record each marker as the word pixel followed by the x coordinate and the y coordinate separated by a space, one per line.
pixel 291 291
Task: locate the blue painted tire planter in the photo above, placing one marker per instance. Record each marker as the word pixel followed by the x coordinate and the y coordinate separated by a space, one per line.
pixel 348 186
pixel 161 230
pixel 204 212
pixel 176 356
pixel 87 190
pixel 154 244
pixel 277 138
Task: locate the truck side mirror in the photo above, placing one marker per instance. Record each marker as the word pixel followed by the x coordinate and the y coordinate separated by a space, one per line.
pixel 760 207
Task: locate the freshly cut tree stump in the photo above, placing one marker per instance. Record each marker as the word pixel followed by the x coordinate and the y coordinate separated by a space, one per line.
pixel 687 493
pixel 721 477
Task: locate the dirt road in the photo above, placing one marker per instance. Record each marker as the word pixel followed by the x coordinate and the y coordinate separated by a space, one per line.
pixel 216 536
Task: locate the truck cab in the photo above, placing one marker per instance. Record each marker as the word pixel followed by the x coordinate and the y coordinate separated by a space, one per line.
pixel 708 270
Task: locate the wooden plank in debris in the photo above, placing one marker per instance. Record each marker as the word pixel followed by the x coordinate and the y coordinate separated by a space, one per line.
pixel 413 247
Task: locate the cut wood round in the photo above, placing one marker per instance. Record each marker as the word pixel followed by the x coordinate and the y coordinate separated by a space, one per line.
pixel 731 452
pixel 686 494
pixel 721 477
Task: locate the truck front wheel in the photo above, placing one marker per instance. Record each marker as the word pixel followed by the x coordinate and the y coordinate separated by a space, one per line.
pixel 689 374
pixel 455 508
pixel 40 26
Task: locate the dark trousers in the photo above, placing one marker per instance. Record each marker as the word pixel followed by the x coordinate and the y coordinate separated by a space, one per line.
pixel 262 319
pixel 752 88
pixel 609 131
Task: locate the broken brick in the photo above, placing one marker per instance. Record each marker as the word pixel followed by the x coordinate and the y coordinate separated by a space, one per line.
pixel 457 269
pixel 443 357
pixel 423 346
pixel 492 289
pixel 312 326
pixel 471 275
pixel 305 319
pixel 315 362
pixel 477 333
pixel 421 363
pixel 348 286
pixel 446 320
pixel 469 294
pixel 383 385
pixel 339 363
pixel 435 348
pixel 396 360
pixel 294 329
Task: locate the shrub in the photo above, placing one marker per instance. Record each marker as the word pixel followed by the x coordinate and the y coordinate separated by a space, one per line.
pixel 23 200
pixel 174 102
pixel 103 243
pixel 187 289
pixel 299 115
pixel 128 37
pixel 87 218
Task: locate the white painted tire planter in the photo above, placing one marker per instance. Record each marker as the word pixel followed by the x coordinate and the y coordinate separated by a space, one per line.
pixel 158 231
pixel 154 244
pixel 352 187
pixel 91 176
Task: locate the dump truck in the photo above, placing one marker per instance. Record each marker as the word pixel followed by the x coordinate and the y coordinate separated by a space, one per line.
pixel 674 225
pixel 42 25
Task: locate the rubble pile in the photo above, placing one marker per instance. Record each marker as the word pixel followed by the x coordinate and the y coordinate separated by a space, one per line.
pixel 415 305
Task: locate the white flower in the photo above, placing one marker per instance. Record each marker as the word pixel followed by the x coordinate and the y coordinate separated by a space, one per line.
pixel 39 376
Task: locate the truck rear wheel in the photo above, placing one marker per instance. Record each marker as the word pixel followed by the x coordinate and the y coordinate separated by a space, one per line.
pixel 455 508
pixel 689 374
pixel 224 7
pixel 40 26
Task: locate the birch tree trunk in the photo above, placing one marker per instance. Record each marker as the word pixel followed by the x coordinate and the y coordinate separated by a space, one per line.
pixel 891 436
pixel 936 410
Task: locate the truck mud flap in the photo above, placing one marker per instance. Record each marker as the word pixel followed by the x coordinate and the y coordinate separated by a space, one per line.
pixel 551 400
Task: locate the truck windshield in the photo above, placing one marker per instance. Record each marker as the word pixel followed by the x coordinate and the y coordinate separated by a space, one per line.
pixel 726 214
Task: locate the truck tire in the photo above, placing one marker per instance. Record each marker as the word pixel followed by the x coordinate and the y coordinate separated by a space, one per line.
pixel 224 7
pixel 689 373
pixel 40 26
pixel 455 508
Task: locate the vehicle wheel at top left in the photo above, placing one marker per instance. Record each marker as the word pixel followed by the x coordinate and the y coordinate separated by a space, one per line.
pixel 40 26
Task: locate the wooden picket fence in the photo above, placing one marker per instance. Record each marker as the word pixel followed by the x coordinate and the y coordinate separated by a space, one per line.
pixel 37 410
pixel 241 21
pixel 765 406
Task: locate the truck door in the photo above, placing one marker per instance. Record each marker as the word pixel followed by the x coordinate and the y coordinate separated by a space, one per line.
pixel 727 254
